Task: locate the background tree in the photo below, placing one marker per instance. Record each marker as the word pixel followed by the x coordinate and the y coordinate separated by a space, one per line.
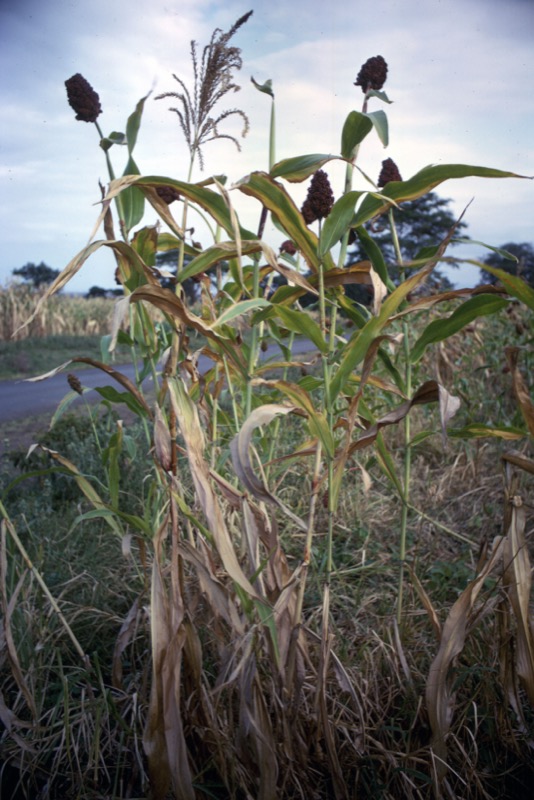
pixel 420 224
pixel 96 291
pixel 523 266
pixel 36 274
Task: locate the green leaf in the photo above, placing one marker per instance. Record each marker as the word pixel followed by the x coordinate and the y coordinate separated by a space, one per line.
pixel 380 95
pixel 421 183
pixel 338 221
pixel 146 243
pixel 355 129
pixel 210 201
pixel 114 138
pixel 275 198
pixel 167 241
pixel 440 329
pixel 380 122
pixel 301 322
pixel 355 350
pixel 108 513
pixel 513 284
pixel 266 88
pixel 134 123
pixel 132 199
pixel 222 251
pixel 299 168
pixel 476 430
pixel 317 421
pixel 111 394
pixel 238 309
pixel 374 253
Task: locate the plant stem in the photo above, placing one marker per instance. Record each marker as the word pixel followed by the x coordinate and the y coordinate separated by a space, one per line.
pixel 407 431
pixel 118 199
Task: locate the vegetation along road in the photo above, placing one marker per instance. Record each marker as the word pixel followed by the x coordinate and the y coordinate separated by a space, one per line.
pixel 20 399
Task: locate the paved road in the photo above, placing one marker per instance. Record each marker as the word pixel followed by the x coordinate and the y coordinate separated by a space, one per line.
pixel 20 399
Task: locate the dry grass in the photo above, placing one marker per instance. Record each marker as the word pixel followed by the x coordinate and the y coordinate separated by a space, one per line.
pixel 351 721
pixel 60 315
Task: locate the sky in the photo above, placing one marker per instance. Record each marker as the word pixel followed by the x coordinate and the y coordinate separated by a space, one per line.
pixel 460 78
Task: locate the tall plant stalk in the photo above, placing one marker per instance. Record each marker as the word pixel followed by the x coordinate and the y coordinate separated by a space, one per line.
pixel 407 430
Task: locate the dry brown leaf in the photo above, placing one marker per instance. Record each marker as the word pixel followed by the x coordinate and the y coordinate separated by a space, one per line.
pixel 426 601
pixel 256 729
pixel 126 634
pixel 210 585
pixel 428 392
pixel 520 388
pixel 189 423
pixel 519 460
pixel 439 697
pixel 518 583
pixel 380 290
pixel 240 451
pixel 162 440
pixel 171 667
pixel 154 742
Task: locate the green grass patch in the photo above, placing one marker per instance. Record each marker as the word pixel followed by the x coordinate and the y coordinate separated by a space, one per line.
pixel 36 356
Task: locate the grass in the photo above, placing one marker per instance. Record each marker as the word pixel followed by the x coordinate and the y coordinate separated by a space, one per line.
pixel 29 357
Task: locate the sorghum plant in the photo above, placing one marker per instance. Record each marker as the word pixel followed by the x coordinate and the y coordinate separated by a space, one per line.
pixel 236 656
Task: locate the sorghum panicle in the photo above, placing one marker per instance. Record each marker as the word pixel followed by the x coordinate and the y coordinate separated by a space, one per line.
pixel 388 173
pixel 74 383
pixel 319 200
pixel 288 247
pixel 373 74
pixel 168 194
pixel 83 98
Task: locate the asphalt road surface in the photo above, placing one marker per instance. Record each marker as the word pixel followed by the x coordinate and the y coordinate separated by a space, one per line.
pixel 21 399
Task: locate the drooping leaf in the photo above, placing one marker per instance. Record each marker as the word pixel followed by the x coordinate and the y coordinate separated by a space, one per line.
pixel 421 183
pixel 356 349
pixel 514 285
pixel 172 305
pixel 439 694
pixel 207 199
pixel 299 168
pixel 317 422
pixel 238 309
pixel 380 122
pixel 301 323
pixel 518 582
pixel 191 429
pixel 443 328
pixel 374 253
pixel 428 392
pixel 240 451
pixel 266 88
